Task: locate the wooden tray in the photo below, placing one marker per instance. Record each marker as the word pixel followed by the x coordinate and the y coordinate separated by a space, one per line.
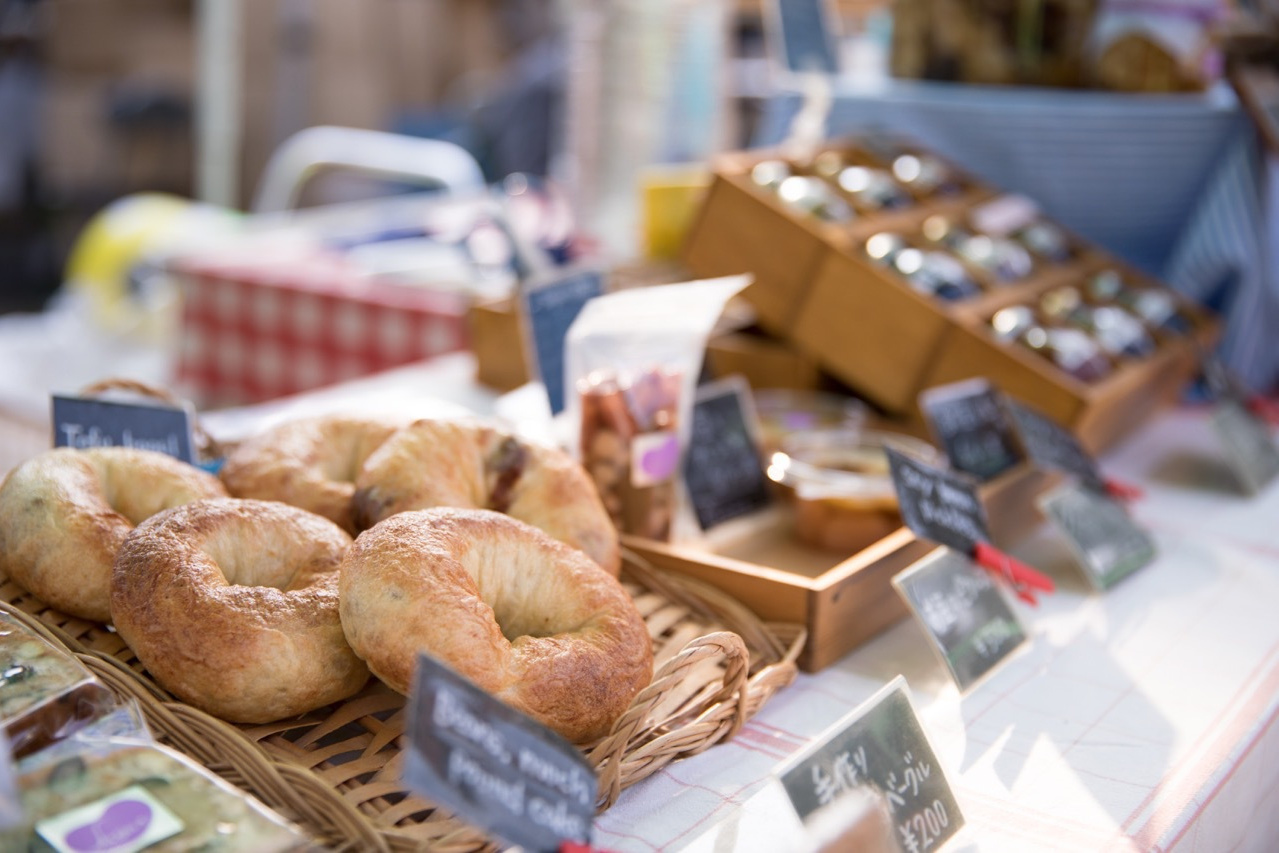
pixel 842 599
pixel 337 772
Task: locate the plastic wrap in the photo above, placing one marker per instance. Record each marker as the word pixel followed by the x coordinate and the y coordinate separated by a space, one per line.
pixel 633 358
pixel 45 693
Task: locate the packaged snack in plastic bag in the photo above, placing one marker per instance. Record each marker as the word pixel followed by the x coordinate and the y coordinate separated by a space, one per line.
pixel 633 358
pixel 128 794
pixel 45 693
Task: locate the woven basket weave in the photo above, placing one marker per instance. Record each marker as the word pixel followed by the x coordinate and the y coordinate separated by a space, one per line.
pixel 337 772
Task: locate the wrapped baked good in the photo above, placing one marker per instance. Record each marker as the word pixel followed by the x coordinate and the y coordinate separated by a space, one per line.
pixel 128 795
pixel 45 693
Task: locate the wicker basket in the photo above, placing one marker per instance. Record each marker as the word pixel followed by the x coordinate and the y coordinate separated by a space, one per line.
pixel 337 772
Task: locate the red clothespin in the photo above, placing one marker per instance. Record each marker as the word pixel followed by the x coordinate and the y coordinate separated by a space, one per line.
pixel 1264 408
pixel 579 847
pixel 1021 577
pixel 1121 491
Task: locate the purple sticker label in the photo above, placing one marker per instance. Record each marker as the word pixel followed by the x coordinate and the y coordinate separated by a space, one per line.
pixel 656 458
pixel 121 823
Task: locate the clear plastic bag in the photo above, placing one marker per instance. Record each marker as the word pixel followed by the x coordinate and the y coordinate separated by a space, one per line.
pixel 632 359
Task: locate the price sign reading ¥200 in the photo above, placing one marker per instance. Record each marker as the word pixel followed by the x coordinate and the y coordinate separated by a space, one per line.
pixel 882 745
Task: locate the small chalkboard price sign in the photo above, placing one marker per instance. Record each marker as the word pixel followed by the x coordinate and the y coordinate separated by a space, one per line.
pixel 972 427
pixel 83 423
pixel 1052 446
pixel 937 504
pixel 1106 541
pixel 943 507
pixel 495 767
pixel 722 467
pixel 881 745
pixel 1249 447
pixel 550 307
pixel 967 618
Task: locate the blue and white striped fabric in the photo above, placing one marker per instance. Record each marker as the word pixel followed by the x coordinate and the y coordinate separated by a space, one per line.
pixel 1171 183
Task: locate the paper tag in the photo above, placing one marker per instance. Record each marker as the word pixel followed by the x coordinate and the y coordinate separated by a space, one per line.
pixel 83 423
pixel 804 38
pixel 493 766
pixel 124 822
pixel 1051 446
pixel 550 306
pixel 1249 446
pixel 967 618
pixel 1106 541
pixel 937 504
pixel 969 423
pixel 1001 216
pixel 722 468
pixel 880 744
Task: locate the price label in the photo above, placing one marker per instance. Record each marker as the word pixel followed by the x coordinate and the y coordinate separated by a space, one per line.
pixel 493 766
pixel 936 504
pixel 881 744
pixel 1249 447
pixel 722 467
pixel 551 306
pixel 1051 446
pixel 967 618
pixel 803 36
pixel 1106 541
pixel 84 423
pixel 969 423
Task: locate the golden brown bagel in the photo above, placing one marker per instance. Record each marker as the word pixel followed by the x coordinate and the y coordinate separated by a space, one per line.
pixel 65 512
pixel 232 605
pixel 310 463
pixel 474 466
pixel 529 619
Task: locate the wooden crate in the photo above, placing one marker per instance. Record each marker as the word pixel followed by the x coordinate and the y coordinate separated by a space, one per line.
pixel 867 327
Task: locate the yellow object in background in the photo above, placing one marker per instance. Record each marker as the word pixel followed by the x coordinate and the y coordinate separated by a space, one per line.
pixel 109 265
pixel 671 197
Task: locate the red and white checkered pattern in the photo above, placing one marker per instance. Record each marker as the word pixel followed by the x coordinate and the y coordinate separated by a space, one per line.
pixel 256 329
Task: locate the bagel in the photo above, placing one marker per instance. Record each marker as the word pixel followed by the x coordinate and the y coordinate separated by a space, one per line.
pixel 64 513
pixel 310 463
pixel 232 606
pixel 471 465
pixel 525 617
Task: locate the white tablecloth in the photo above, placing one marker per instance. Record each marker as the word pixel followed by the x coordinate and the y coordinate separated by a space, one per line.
pixel 1142 719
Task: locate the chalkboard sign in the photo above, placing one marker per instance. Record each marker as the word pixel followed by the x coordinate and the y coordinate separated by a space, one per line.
pixel 493 766
pixel 937 504
pixel 1249 446
pixel 964 614
pixel 722 467
pixel 1104 538
pixel 551 306
pixel 803 36
pixel 1052 446
pixel 83 423
pixel 969 423
pixel 882 745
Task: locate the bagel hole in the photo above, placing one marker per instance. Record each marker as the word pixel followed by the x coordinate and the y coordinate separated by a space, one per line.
pixel 262 566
